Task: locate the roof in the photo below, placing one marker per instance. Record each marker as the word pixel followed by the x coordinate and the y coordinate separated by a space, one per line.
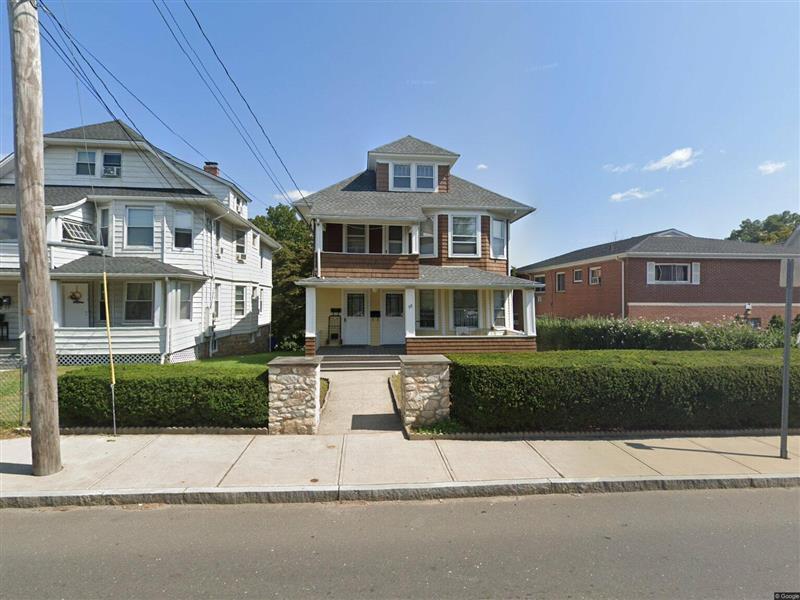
pixel 668 242
pixel 60 195
pixel 94 264
pixel 413 146
pixel 429 276
pixel 114 130
pixel 356 196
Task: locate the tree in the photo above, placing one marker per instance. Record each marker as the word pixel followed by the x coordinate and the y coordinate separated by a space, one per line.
pixel 775 229
pixel 293 261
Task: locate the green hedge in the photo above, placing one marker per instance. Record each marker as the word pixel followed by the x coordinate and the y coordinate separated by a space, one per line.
pixel 599 333
pixel 166 395
pixel 621 390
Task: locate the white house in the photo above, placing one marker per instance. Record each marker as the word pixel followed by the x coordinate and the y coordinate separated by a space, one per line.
pixel 189 275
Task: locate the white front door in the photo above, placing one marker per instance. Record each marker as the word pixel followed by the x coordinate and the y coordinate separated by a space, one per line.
pixel 393 323
pixel 76 304
pixel 356 320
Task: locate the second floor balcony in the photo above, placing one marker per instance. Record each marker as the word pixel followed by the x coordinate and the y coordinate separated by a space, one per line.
pixel 367 250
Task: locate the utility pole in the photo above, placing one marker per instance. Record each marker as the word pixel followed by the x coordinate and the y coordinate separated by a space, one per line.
pixel 26 70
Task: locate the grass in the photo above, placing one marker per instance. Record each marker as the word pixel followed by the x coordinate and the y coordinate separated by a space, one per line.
pixel 628 358
pixel 10 393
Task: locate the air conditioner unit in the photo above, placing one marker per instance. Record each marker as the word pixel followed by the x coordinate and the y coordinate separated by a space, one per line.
pixel 112 171
pixel 241 257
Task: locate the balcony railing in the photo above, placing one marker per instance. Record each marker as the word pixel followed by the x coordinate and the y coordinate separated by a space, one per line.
pixel 125 340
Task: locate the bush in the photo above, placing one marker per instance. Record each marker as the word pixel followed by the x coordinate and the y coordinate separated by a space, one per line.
pixel 621 390
pixel 166 395
pixel 599 333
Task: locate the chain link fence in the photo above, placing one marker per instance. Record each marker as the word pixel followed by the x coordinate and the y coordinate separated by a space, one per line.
pixel 13 412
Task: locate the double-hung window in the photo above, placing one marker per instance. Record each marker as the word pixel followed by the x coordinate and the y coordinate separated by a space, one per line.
pixel 183 235
pixel 498 238
pixel 672 273
pixel 424 177
pixel 8 229
pixel 561 282
pixel 464 236
pixel 465 309
pixel 541 279
pixel 140 227
pixel 577 276
pixel 427 244
pixel 238 301
pixel 112 164
pixel 85 164
pixel 139 302
pixel 595 275
pixel 402 177
pixel 105 217
pixel 394 243
pixel 241 242
pixel 499 308
pixel 217 288
pixel 427 309
pixel 254 300
pixel 356 239
pixel 185 301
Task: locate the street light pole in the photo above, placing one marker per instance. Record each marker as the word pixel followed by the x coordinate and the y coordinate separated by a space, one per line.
pixel 26 70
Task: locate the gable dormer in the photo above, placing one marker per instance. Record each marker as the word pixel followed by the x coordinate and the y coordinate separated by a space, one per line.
pixel 411 165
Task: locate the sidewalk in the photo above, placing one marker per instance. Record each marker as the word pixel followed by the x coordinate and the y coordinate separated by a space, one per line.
pixel 244 468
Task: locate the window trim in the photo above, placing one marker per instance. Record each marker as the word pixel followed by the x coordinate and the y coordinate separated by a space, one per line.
pixel 494 308
pixel 388 241
pixel 346 235
pixel 236 233
pixel 108 227
pixel 103 174
pixel 478 235
pixel 599 279
pixel 151 320
pixel 504 224
pixel 244 300
pixel 216 301
pixel 564 289
pixel 181 300
pixel 77 162
pixel 127 224
pixel 543 276
pixel 175 229
pixel 418 301
pixel 575 272
pixel 481 317
pixel 413 176
pixel 687 281
pixel 435 236
pixel 16 227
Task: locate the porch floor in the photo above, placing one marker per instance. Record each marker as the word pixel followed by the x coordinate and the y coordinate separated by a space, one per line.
pixel 393 350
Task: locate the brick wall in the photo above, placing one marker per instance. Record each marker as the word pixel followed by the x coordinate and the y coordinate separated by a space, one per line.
pixel 581 299
pixel 436 345
pixel 485 261
pixel 311 346
pixel 402 266
pixel 243 343
pixel 382 177
pixel 690 313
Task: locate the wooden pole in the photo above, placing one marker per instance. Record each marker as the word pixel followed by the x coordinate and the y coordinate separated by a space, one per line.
pixel 26 70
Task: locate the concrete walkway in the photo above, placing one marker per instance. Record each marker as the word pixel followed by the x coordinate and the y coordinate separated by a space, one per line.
pixel 359 402
pixel 363 464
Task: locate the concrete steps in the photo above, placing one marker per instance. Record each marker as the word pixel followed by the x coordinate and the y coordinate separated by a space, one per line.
pixel 361 362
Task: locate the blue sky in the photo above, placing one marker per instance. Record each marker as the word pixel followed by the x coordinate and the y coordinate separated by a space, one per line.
pixel 612 119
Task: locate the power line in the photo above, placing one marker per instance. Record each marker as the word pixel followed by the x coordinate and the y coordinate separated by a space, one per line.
pixel 241 95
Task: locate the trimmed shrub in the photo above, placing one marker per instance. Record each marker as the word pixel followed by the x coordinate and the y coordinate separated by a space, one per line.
pixel 165 396
pixel 600 333
pixel 621 390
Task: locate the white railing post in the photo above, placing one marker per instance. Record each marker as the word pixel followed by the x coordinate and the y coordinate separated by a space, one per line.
pixel 410 312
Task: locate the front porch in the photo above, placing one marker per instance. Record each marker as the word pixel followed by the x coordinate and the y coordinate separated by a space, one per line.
pixel 392 317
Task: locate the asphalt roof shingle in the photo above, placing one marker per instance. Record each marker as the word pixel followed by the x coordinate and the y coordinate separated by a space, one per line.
pixel 60 195
pixel 114 130
pixel 413 146
pixel 356 196
pixel 431 275
pixel 94 264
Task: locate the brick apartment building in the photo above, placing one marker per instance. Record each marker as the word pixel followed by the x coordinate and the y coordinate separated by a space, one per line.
pixel 665 274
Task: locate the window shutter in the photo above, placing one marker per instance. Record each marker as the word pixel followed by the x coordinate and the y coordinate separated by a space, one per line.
pixel 695 273
pixel 651 272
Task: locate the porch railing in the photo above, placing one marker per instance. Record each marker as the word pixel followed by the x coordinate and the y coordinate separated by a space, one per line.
pixel 125 340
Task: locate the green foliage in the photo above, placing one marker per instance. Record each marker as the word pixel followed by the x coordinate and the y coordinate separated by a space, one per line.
pixel 775 229
pixel 776 324
pixel 621 390
pixel 224 394
pixel 602 333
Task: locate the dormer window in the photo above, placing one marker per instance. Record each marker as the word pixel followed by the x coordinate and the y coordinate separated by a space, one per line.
pixel 425 177
pixel 85 163
pixel 402 176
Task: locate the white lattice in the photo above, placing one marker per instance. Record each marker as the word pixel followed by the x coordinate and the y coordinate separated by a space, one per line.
pixel 187 355
pixel 70 360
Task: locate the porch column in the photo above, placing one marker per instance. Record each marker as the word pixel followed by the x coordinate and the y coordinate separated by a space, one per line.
pixel 414 239
pixel 508 306
pixel 158 304
pixel 529 312
pixel 58 314
pixel 411 312
pixel 311 321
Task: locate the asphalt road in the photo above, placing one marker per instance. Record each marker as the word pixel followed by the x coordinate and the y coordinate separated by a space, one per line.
pixel 700 544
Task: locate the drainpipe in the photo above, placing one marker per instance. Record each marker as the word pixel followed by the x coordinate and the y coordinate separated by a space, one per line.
pixel 622 284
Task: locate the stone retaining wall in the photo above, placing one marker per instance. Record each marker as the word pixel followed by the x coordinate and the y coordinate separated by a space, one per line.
pixel 426 389
pixel 294 390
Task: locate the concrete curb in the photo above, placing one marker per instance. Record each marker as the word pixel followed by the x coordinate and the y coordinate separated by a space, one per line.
pixel 388 492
